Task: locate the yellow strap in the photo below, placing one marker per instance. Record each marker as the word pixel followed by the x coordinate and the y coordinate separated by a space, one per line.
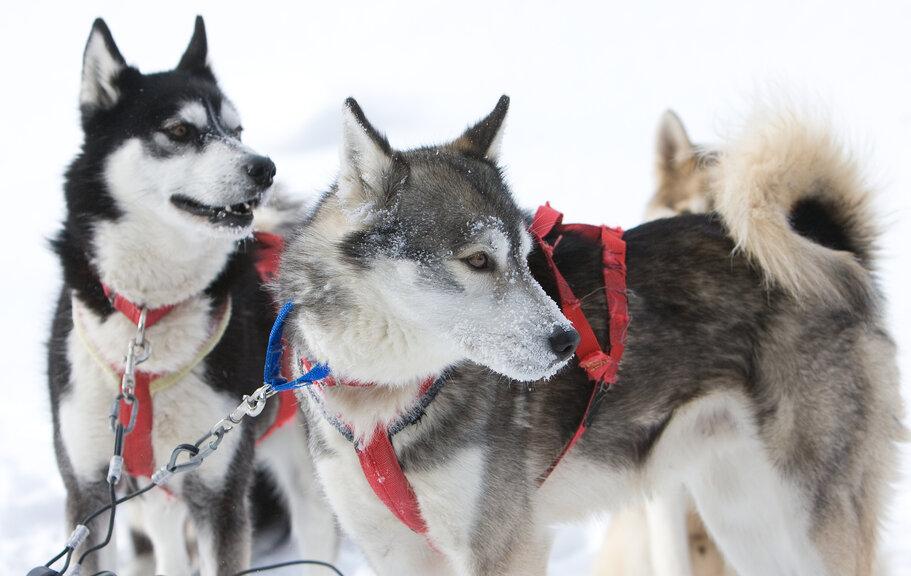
pixel 93 352
pixel 167 380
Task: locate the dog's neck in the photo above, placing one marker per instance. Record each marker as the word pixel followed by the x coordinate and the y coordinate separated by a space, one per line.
pixel 153 264
pixel 363 408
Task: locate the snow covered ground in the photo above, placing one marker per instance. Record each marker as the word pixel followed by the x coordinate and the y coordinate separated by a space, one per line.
pixel 588 82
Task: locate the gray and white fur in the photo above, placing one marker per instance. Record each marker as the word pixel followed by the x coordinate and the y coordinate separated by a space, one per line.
pixel 776 409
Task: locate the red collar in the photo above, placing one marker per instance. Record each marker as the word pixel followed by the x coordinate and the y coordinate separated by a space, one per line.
pixel 132 311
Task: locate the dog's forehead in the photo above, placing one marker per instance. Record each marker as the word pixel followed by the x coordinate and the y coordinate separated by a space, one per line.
pixel 176 95
pixel 467 196
pixel 203 114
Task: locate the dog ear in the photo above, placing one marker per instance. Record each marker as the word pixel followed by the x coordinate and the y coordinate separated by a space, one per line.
pixel 102 64
pixel 673 144
pixel 483 139
pixel 195 59
pixel 368 161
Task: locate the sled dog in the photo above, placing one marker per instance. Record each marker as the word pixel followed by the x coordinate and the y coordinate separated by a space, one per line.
pixel 159 217
pixel 757 369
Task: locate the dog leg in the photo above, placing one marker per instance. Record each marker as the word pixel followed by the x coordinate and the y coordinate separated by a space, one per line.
pixel 217 498
pixel 625 551
pixel 756 516
pixel 313 527
pixel 80 502
pixel 164 519
pixel 667 533
pixel 391 548
pixel 143 561
pixel 222 523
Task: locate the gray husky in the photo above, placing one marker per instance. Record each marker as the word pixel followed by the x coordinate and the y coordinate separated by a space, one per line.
pixel 757 369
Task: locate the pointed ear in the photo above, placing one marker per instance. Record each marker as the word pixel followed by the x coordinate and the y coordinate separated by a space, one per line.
pixel 370 168
pixel 483 139
pixel 195 59
pixel 673 145
pixel 101 66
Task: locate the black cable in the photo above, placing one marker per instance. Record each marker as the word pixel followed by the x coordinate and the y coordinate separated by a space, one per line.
pixel 290 563
pixel 69 551
pixel 107 538
pixel 57 557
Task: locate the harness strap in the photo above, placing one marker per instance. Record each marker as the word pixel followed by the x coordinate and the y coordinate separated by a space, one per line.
pixel 269 254
pixel 287 404
pixel 379 462
pixel 138 455
pixel 383 472
pixel 600 366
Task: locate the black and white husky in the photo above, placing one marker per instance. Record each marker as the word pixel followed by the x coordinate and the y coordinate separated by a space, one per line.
pixel 757 369
pixel 159 214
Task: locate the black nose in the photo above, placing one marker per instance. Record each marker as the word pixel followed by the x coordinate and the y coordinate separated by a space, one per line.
pixel 261 170
pixel 563 341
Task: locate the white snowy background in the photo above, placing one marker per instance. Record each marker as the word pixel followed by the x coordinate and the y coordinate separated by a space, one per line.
pixel 588 83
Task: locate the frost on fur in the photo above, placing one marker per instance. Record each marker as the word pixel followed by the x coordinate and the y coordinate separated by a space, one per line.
pixel 783 161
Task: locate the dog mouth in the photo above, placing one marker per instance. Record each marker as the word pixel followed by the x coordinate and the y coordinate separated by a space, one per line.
pixel 238 215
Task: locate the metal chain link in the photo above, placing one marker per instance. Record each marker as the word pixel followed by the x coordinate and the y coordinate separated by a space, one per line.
pixel 186 457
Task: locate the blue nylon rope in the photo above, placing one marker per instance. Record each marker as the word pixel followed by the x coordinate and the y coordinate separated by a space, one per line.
pixel 272 369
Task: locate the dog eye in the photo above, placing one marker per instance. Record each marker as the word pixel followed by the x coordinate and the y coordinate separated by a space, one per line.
pixel 236 132
pixel 179 132
pixel 478 261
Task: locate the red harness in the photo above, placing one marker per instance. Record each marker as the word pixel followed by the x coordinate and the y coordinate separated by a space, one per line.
pixel 378 460
pixel 138 455
pixel 600 366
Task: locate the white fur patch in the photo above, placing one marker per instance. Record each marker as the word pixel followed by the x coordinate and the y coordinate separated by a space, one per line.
pixel 713 445
pixel 230 118
pixel 287 457
pixel 99 69
pixel 194 113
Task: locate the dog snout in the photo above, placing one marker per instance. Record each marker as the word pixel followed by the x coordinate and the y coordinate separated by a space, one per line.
pixel 261 170
pixel 563 341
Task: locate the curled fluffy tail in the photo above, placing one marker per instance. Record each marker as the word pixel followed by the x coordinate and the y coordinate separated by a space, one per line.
pixel 796 205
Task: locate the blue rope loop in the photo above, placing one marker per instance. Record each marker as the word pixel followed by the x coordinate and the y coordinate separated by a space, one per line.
pixel 272 375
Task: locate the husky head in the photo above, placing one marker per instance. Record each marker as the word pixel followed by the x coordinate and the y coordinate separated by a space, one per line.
pixel 167 144
pixel 417 260
pixel 683 172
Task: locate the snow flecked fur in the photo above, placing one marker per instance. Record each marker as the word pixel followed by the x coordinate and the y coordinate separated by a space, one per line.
pixel 796 204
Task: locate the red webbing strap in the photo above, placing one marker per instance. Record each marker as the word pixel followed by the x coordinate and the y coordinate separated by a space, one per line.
pixel 600 367
pixel 614 259
pixel 380 464
pixel 132 311
pixel 287 410
pixel 269 254
pixel 138 457
pixel 268 257
pixel 384 473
